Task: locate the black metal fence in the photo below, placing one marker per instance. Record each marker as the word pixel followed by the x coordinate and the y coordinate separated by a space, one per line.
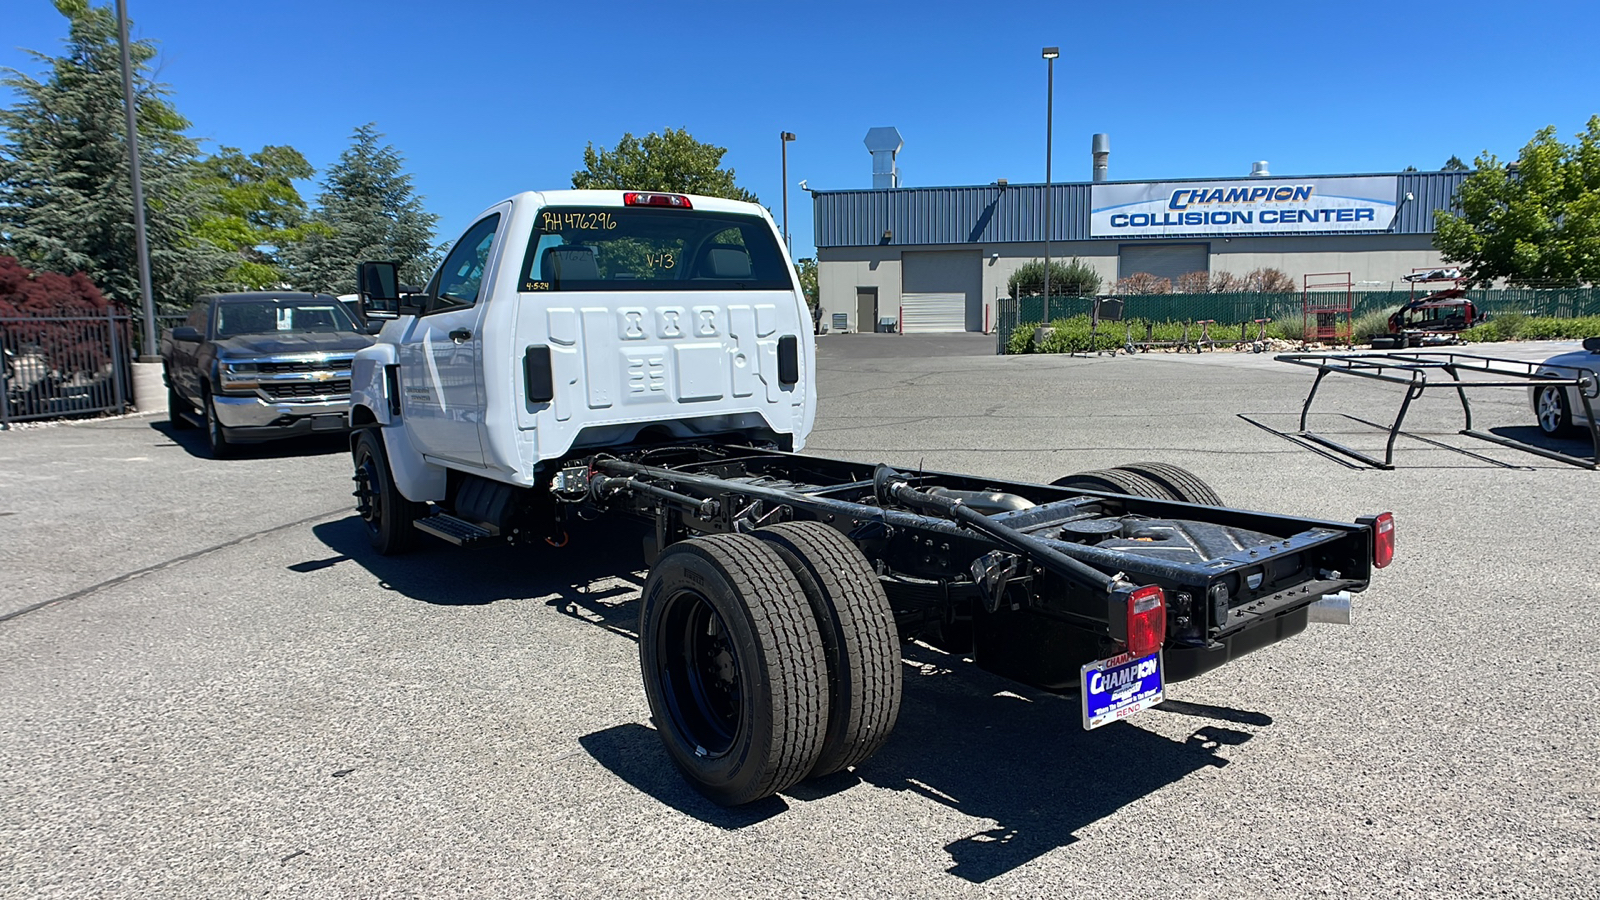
pixel 65 366
pixel 1231 309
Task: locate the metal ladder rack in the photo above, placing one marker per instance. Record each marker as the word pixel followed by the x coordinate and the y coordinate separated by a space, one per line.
pixel 1411 370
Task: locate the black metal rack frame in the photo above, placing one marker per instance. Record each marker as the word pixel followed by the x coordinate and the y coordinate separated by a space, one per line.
pixel 1411 371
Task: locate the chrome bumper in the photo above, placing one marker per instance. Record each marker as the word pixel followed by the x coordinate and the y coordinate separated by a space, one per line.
pixel 254 412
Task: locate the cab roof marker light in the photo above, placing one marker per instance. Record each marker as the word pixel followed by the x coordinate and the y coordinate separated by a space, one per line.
pixel 645 198
pixel 1383 540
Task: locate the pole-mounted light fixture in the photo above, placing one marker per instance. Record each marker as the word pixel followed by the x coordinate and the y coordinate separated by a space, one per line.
pixel 784 137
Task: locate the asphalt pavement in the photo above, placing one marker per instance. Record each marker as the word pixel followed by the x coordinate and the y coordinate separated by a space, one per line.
pixel 211 687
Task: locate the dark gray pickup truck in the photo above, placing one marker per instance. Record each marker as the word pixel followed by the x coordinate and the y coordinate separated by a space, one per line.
pixel 259 366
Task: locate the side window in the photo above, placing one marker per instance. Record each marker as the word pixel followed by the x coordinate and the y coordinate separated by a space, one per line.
pixel 461 276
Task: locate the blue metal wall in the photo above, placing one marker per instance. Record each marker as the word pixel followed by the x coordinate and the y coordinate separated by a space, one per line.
pixel 992 214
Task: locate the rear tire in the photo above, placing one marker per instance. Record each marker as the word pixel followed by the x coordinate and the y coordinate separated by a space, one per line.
pixel 1114 481
pixel 733 666
pixel 1553 410
pixel 388 516
pixel 1180 484
pixel 858 636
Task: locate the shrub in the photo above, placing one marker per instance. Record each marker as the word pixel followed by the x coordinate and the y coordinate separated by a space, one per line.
pixel 1268 281
pixel 1021 340
pixel 41 296
pixel 1519 327
pixel 1143 283
pixel 1369 325
pixel 1074 279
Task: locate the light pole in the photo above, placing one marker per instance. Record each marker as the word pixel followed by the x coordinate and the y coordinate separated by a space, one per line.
pixel 1049 54
pixel 784 137
pixel 143 246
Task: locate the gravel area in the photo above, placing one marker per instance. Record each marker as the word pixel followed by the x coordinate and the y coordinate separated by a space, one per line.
pixel 210 687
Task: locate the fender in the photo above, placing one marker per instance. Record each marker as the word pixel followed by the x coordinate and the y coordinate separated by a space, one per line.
pixel 415 478
pixel 368 386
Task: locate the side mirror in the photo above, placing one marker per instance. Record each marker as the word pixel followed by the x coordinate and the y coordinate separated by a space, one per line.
pixel 1592 344
pixel 378 283
pixel 188 334
pixel 376 325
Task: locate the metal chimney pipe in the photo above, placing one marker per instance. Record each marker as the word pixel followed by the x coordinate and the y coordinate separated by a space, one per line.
pixel 1259 169
pixel 1100 146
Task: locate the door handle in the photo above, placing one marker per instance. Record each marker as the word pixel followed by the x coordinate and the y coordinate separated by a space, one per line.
pixel 460 335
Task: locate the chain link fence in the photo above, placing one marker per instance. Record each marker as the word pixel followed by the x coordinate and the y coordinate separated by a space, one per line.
pixel 1231 309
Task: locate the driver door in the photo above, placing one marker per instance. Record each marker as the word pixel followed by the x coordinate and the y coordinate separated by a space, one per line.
pixel 441 371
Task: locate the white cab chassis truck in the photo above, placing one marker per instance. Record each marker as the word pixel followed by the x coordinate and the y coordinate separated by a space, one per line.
pixel 650 355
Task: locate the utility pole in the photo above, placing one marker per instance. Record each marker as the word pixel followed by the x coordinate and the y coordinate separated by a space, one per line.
pixel 784 137
pixel 1049 54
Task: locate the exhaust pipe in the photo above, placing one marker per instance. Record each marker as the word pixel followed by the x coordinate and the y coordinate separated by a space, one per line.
pixel 1332 609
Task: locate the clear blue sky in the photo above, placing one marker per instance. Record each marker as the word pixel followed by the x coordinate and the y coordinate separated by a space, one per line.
pixel 485 99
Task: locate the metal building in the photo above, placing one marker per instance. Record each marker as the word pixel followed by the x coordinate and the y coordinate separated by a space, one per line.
pixel 940 257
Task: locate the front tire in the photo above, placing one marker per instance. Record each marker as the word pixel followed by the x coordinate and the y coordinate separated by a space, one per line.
pixel 858 636
pixel 216 438
pixel 1553 410
pixel 386 513
pixel 734 667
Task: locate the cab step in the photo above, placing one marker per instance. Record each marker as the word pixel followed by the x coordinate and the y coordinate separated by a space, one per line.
pixel 457 531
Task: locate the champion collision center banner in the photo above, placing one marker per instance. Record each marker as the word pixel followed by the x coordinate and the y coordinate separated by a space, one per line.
pixel 1245 206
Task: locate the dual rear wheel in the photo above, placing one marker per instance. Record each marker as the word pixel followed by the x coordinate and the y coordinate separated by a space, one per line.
pixel 768 658
pixel 1155 480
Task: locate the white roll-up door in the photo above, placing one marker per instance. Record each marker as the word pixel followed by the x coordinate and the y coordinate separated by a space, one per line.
pixel 933 313
pixel 1169 261
pixel 942 273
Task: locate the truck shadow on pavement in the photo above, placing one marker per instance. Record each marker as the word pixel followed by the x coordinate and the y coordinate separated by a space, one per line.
pixel 193 442
pixel 589 578
pixel 1015 760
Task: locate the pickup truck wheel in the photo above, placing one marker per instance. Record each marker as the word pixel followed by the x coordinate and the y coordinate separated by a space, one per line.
pixel 178 410
pixel 386 513
pixel 733 667
pixel 1180 483
pixel 216 438
pixel 1115 481
pixel 1555 414
pixel 858 637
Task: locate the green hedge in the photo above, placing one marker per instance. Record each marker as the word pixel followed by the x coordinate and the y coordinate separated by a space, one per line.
pixel 1072 334
pixel 1518 327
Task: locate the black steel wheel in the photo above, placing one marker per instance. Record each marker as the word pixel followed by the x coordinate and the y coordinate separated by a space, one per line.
pixel 1553 410
pixel 178 410
pixel 1180 483
pixel 1114 481
pixel 858 636
pixel 734 667
pixel 216 437
pixel 386 513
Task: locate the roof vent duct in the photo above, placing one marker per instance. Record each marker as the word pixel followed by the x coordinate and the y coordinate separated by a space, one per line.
pixel 1258 169
pixel 884 144
pixel 1100 146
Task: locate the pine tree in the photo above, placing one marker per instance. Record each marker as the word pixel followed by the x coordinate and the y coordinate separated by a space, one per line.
pixel 66 204
pixel 367 211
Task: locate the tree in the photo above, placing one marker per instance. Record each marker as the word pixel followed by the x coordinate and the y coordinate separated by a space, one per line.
pixel 670 161
pixel 66 204
pixel 1454 164
pixel 1535 221
pixel 807 270
pixel 1074 279
pixel 256 211
pixel 366 211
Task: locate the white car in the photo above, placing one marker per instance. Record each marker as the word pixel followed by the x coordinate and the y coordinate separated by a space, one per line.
pixel 1558 408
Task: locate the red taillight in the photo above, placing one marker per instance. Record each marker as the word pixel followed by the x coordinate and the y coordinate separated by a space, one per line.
pixel 1147 620
pixel 640 198
pixel 1383 540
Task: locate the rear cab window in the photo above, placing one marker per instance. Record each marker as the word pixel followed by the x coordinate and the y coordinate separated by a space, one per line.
pixel 577 248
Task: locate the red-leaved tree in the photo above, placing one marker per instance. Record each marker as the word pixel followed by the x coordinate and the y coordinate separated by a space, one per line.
pixel 59 318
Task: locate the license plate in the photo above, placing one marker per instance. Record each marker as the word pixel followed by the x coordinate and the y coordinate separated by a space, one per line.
pixel 1116 688
pixel 327 423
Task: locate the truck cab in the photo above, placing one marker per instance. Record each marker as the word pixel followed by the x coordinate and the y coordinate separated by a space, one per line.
pixel 568 320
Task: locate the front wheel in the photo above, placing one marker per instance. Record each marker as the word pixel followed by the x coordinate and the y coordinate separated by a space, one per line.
pixel 216 438
pixel 386 513
pixel 734 667
pixel 1555 414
